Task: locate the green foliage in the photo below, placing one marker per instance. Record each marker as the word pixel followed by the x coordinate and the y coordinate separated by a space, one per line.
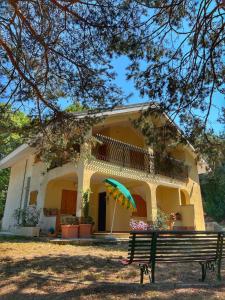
pixel 27 217
pixel 76 107
pixel 161 222
pixel 86 219
pixel 212 149
pixel 213 191
pixel 85 202
pixel 4 181
pixel 11 126
pixel 71 60
pixel 69 220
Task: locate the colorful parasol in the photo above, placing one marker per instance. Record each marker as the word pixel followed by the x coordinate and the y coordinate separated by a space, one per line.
pixel 121 195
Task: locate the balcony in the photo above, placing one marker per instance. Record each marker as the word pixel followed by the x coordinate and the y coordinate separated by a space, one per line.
pixel 130 156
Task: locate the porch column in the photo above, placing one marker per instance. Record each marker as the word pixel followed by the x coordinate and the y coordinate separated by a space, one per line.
pixel 41 199
pixel 84 179
pixel 179 197
pixel 151 202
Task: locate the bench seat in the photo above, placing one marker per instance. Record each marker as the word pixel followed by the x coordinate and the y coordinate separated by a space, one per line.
pixel 147 248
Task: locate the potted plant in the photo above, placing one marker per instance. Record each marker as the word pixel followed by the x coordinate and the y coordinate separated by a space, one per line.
pixel 70 227
pixel 26 221
pixel 86 222
pixel 172 220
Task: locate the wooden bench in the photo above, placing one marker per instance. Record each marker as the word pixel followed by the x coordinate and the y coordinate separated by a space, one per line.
pixel 146 248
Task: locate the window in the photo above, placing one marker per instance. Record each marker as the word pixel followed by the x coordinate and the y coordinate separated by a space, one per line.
pixel 33 198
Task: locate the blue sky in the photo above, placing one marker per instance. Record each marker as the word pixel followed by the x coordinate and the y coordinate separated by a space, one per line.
pixel 120 65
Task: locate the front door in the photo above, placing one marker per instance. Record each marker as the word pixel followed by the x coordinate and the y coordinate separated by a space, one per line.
pixel 69 202
pixel 101 211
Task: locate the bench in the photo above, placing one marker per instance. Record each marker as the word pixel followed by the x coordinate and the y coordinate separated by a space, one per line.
pixel 146 248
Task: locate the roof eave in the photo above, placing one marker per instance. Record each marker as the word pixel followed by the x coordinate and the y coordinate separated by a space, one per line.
pixel 16 155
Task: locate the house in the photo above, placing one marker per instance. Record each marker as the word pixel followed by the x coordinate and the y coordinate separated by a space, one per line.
pixel 123 155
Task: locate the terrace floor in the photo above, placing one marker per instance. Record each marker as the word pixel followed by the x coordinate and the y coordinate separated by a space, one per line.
pixel 37 269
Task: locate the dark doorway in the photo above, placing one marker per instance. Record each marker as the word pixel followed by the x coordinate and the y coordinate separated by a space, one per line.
pixel 101 211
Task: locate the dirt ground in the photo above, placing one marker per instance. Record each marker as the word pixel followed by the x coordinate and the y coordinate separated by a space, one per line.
pixel 34 269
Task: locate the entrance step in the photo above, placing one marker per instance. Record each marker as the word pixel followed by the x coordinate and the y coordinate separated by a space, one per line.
pixel 96 239
pixel 84 241
pixel 116 235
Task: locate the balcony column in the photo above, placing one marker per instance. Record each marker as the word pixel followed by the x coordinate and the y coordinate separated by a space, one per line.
pixel 151 202
pixel 84 180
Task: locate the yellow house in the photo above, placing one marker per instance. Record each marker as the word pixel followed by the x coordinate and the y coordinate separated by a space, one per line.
pixel 123 155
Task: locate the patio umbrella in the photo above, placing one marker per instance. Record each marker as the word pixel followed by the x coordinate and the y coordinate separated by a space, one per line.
pixel 121 195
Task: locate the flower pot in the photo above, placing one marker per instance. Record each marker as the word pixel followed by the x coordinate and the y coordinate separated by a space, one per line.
pixel 70 231
pixel 85 230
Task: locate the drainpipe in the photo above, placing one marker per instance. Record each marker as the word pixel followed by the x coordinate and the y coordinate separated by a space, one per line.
pixel 24 176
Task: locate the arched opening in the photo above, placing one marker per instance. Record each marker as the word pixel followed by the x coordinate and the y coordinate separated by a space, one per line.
pixel 141 207
pixel 167 199
pixel 61 194
pixel 60 199
pixel 102 204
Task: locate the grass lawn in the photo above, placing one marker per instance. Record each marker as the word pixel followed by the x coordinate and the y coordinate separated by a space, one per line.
pixel 33 269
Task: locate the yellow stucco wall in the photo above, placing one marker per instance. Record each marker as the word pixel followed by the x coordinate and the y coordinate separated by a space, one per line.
pixel 53 195
pixel 193 189
pixel 167 199
pixel 125 133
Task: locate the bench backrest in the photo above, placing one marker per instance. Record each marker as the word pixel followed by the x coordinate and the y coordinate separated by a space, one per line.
pixel 175 246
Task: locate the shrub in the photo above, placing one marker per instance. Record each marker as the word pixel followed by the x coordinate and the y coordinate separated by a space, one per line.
pixel 27 217
pixel 161 223
pixel 69 220
pixel 140 225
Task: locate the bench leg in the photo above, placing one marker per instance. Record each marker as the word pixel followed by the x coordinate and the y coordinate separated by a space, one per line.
pixel 141 275
pixel 153 273
pixel 203 271
pixel 219 271
pixel 143 271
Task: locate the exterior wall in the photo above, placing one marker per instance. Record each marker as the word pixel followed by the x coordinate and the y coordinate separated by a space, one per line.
pixel 194 191
pixel 188 215
pixel 49 192
pixel 16 191
pixel 125 134
pixel 168 199
pixel 192 186
pixel 37 172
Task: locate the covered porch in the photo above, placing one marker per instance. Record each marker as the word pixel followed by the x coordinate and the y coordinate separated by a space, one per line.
pixel 63 196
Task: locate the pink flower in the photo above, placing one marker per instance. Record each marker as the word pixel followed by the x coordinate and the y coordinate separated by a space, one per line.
pixel 139 225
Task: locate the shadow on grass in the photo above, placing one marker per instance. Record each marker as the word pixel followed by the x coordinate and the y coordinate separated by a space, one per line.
pixel 94 277
pixel 33 288
pixel 69 281
pixel 20 239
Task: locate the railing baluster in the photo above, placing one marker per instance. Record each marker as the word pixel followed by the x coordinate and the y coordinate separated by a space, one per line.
pixel 131 156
